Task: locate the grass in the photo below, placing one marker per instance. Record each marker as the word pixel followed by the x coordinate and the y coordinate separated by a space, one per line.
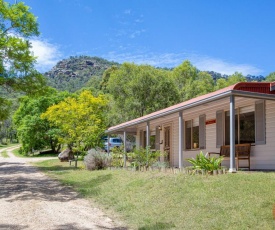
pixel 36 154
pixel 8 145
pixel 17 154
pixel 153 200
pixel 4 154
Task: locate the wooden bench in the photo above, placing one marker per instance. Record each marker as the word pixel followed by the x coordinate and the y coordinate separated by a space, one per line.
pixel 242 152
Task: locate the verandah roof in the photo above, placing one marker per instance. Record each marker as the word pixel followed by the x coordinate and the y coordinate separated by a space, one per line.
pixel 262 90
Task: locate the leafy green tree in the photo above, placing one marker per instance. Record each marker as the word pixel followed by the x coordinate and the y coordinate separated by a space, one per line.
pixel 235 78
pixel 221 83
pixel 33 131
pixel 106 77
pixel 137 90
pixel 184 75
pixel 17 25
pixel 7 132
pixel 270 77
pixel 231 80
pixel 81 120
pixel 203 84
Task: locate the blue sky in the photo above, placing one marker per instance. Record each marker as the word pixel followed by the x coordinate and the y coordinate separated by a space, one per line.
pixel 223 36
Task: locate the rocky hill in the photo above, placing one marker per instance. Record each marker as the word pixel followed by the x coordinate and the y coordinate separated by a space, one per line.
pixel 75 72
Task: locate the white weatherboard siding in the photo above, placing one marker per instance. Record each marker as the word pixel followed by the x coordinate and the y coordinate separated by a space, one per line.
pixel 262 156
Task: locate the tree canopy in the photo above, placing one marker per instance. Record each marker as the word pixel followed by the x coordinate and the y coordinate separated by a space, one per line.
pixel 137 90
pixel 34 132
pixel 270 77
pixel 80 118
pixel 17 26
pixel 231 80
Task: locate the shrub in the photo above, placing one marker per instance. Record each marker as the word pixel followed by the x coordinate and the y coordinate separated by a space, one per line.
pixel 117 156
pixel 96 160
pixel 145 157
pixel 204 162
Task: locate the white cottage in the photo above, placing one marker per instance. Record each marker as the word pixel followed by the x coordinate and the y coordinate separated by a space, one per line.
pixel 241 113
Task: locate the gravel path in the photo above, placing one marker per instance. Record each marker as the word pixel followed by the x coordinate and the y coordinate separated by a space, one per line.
pixel 31 200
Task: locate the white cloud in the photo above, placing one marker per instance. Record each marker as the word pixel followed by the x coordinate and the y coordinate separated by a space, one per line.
pixel 223 67
pixel 203 63
pixel 128 11
pixel 137 33
pixel 47 54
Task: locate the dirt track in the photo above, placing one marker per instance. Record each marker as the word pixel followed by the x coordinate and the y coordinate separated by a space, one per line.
pixel 31 200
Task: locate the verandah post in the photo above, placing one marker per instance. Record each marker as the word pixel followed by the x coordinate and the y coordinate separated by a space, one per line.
pixel 124 149
pixel 180 139
pixel 147 138
pixel 108 147
pixel 232 167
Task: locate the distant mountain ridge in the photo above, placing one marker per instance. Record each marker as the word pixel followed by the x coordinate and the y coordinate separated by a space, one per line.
pixel 248 77
pixel 73 73
pixel 77 72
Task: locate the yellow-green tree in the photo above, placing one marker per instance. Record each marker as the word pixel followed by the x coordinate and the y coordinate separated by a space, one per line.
pixel 81 119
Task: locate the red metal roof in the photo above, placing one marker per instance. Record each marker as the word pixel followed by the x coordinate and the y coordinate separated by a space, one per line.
pixel 256 87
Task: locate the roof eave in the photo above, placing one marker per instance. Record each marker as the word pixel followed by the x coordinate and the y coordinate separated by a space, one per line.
pixel 194 104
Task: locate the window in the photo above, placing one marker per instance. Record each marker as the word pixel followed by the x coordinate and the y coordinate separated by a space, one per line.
pixel 153 141
pixel 250 125
pixel 192 134
pixel 244 125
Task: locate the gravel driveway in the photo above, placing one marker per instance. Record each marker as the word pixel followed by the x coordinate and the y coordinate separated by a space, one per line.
pixel 31 200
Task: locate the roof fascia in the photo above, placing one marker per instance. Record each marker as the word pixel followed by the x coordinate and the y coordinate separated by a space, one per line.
pixel 222 95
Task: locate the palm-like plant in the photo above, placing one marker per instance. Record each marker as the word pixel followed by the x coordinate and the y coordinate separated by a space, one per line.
pixel 204 162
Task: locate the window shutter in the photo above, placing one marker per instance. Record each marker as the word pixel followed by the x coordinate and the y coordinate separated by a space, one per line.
pixel 157 140
pixel 219 128
pixel 260 122
pixel 202 132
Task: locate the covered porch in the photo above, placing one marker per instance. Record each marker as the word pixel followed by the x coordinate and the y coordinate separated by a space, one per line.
pixel 210 121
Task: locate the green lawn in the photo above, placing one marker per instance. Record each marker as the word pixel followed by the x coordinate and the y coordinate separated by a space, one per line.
pixel 36 154
pixel 4 154
pixel 9 145
pixel 16 153
pixel 153 200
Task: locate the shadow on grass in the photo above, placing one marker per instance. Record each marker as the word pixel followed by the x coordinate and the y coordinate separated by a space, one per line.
pixel 158 226
pixel 75 226
pixel 13 226
pixel 56 168
pixel 72 226
pixel 91 187
pixel 115 228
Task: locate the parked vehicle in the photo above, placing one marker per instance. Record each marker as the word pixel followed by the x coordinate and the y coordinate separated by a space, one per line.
pixel 113 142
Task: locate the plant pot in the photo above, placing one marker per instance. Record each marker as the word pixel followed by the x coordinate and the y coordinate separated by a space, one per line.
pixel 220 171
pixel 215 172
